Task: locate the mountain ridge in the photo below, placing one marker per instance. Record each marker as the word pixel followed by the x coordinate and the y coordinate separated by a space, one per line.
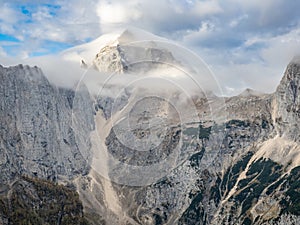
pixel 242 170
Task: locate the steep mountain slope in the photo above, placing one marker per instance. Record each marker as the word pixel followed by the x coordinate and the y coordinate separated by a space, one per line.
pixel 142 154
pixel 36 133
pixel 37 140
pixel 241 171
pixel 35 201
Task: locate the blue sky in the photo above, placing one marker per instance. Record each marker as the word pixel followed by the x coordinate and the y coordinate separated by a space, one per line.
pixel 29 29
pixel 242 41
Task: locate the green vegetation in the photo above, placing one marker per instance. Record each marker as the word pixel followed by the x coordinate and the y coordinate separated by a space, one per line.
pixel 215 191
pixel 237 123
pixel 247 221
pixel 260 174
pixel 195 159
pixel 264 124
pixel 158 220
pixel 195 213
pixel 232 174
pixel 204 132
pixel 293 192
pixel 273 187
pixel 191 131
pixel 35 201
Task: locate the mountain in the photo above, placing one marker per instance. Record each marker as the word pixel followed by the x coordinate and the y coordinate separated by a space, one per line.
pixel 37 144
pixel 249 92
pixel 105 51
pixel 146 153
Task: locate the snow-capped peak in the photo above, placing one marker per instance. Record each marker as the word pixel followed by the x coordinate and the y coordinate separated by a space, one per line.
pixel 87 52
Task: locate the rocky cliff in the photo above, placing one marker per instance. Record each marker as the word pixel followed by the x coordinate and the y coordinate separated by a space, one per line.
pixel 287 103
pixel 241 169
pixel 37 139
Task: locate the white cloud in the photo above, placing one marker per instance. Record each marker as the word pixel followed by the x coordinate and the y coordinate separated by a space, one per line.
pixel 8 18
pixel 257 62
pixel 72 22
pixel 248 43
pixel 205 30
pixel 205 8
pixel 118 13
pixel 2 52
pixel 8 15
pixel 236 21
pixel 282 48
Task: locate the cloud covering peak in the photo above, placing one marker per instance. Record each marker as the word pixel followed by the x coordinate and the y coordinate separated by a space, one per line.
pixel 246 43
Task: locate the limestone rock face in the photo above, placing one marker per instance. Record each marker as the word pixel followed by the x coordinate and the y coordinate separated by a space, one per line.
pixel 124 56
pixel 242 170
pixel 109 60
pixel 287 102
pixel 37 137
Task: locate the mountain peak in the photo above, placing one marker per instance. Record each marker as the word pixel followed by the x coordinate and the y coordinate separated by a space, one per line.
pixel 288 102
pixel 291 77
pixel 134 50
pixel 250 92
pixel 87 52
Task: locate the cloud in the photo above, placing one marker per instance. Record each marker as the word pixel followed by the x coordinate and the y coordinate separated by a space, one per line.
pixel 38 24
pixel 156 16
pixel 241 40
pixel 8 18
pixel 2 52
pixel 258 63
pixel 8 14
pixel 206 8
pixel 117 13
pixel 282 48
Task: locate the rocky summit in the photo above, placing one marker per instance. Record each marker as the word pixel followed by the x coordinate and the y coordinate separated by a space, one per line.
pixel 153 168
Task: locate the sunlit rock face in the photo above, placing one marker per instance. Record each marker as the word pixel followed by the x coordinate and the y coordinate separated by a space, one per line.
pixel 37 138
pixel 126 55
pixel 287 102
pixel 109 60
pixel 240 169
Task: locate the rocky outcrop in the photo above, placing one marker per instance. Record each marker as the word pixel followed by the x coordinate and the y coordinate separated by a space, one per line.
pixel 37 137
pixel 231 176
pixel 240 170
pixel 287 103
pixel 125 56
